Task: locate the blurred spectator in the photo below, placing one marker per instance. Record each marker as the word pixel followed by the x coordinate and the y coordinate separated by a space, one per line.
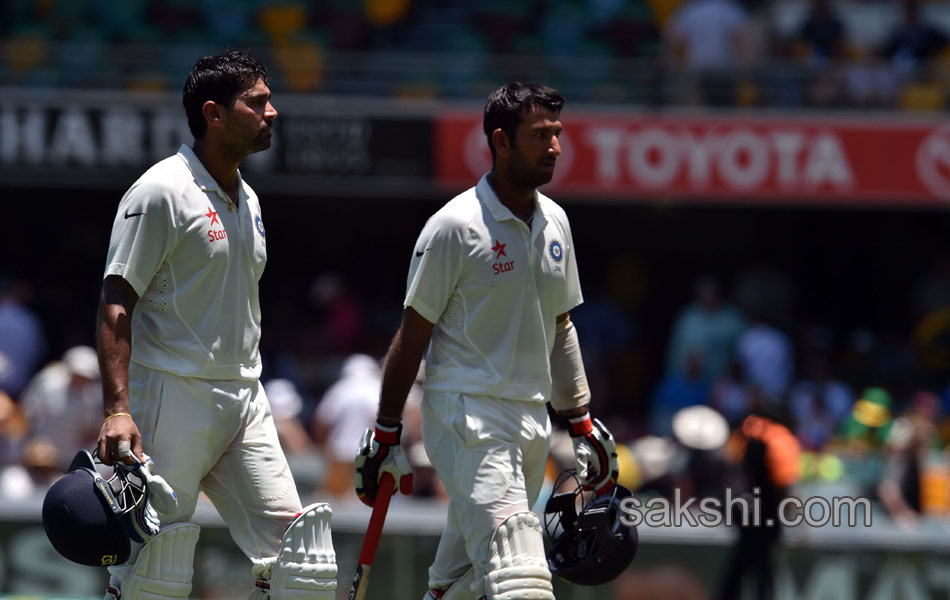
pixel 63 403
pixel 821 37
pixel 914 43
pixel 347 408
pixel 767 358
pixel 732 396
pixel 676 390
pixel 659 461
pixel 22 342
pixel 38 470
pixel 13 431
pixel 712 39
pixel 286 406
pixel 820 45
pixel 901 482
pixel 869 423
pixel 703 432
pixel 818 402
pixel 768 458
pixel 710 326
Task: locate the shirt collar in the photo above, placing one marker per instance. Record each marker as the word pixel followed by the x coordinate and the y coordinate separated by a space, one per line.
pixel 202 177
pixel 499 211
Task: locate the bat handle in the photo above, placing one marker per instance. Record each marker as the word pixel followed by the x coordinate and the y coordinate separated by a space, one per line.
pixel 375 529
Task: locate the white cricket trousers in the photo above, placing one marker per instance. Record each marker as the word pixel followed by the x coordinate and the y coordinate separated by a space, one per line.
pixel 491 455
pixel 217 437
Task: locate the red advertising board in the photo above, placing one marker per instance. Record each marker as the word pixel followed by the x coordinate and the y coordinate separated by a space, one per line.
pixel 813 160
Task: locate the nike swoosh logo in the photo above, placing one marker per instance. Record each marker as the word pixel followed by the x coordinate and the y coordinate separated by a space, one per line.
pixel 421 252
pixel 129 215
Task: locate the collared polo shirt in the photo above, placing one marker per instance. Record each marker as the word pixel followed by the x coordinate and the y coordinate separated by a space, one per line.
pixel 493 287
pixel 195 262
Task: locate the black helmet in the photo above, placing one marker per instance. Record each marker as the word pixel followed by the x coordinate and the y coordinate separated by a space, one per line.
pixel 88 518
pixel 589 545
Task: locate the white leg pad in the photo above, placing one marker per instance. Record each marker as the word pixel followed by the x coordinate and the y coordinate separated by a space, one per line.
pixel 306 563
pixel 519 569
pixel 164 567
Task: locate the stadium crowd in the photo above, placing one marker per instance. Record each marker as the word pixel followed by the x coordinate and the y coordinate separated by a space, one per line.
pixel 860 413
pixel 779 53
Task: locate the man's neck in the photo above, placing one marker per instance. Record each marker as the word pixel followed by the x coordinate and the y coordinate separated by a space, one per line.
pixel 222 169
pixel 519 200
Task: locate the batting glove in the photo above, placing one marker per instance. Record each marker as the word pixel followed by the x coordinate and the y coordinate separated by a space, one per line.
pixel 379 453
pixel 162 495
pixel 596 454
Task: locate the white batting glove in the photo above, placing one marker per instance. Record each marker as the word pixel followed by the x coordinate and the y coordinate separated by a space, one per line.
pixel 596 454
pixel 379 453
pixel 163 497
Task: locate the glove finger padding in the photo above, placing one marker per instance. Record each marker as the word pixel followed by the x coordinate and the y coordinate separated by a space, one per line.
pixel 163 497
pixel 595 452
pixel 379 453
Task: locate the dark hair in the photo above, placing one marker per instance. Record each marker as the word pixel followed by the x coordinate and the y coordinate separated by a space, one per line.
pixel 220 79
pixel 509 103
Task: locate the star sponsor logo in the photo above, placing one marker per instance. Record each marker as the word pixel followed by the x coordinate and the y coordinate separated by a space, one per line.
pixel 499 249
pixel 501 266
pixel 215 234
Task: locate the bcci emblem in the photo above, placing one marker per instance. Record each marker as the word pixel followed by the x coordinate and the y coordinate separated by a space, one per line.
pixel 109 559
pixel 555 250
pixel 259 224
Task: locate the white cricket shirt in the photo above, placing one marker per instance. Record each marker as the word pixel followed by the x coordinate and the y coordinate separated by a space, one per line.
pixel 493 287
pixel 195 266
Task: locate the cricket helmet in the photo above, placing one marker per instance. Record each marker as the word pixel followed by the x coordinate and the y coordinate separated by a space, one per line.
pixel 89 518
pixel 590 545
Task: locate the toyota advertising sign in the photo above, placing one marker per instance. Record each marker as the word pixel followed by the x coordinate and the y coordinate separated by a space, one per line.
pixel 809 160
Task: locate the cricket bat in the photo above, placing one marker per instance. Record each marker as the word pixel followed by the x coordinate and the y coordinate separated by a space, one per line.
pixel 371 541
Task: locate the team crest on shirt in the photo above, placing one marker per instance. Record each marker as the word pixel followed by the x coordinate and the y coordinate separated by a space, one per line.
pixel 259 224
pixel 555 250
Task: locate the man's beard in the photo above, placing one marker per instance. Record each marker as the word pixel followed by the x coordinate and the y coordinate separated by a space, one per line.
pixel 519 173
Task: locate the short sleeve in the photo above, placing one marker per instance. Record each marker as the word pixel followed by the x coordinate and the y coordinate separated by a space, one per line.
pixel 572 283
pixel 143 234
pixel 435 266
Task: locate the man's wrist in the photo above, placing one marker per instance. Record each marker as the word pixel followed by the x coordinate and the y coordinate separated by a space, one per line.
pixel 388 421
pixel 388 434
pixel 581 425
pixel 571 413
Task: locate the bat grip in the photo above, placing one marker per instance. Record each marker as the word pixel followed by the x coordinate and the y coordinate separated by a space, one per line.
pixel 375 529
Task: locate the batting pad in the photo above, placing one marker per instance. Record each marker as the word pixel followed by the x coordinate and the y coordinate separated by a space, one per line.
pixel 519 570
pixel 165 565
pixel 306 563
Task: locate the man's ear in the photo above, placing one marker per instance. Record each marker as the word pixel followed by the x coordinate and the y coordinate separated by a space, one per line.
pixel 502 143
pixel 212 113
